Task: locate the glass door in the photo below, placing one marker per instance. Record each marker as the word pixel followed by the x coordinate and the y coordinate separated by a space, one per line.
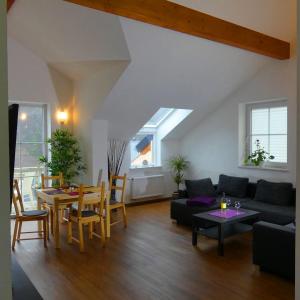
pixel 31 144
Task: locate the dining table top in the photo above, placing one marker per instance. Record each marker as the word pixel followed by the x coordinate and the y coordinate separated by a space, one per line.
pixel 59 194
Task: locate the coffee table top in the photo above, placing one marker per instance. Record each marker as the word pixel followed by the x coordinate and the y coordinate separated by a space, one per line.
pixel 227 216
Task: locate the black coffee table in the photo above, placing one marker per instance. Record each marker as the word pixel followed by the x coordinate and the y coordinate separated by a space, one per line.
pixel 222 227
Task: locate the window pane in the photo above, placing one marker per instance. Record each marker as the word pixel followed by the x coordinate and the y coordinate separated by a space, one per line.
pixel 159 116
pixel 17 161
pixel 28 192
pixel 141 148
pixel 30 154
pixel 30 146
pixel 260 121
pixel 263 140
pixel 30 125
pixel 278 120
pixel 278 147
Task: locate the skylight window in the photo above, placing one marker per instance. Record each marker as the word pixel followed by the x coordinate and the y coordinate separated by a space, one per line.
pixel 145 146
pixel 159 117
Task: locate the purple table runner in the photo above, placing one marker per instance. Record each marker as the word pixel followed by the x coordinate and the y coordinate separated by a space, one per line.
pixel 226 213
pixel 54 192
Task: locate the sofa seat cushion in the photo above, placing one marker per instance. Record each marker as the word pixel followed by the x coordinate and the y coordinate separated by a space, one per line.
pixel 202 187
pixel 281 215
pixel 233 186
pixel 277 193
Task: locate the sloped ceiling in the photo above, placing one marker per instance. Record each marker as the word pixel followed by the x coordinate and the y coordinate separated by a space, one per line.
pixel 69 38
pixel 169 69
pixel 166 68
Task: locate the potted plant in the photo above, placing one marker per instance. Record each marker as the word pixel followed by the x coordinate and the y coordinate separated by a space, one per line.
pixel 178 164
pixel 65 155
pixel 258 156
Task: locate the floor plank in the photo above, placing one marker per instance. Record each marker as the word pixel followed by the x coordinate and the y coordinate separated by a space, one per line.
pixel 152 259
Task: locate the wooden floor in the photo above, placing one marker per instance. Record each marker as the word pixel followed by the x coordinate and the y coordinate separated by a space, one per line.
pixel 152 259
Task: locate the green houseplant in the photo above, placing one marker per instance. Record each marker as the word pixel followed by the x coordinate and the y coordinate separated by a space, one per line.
pixel 178 164
pixel 258 156
pixel 65 155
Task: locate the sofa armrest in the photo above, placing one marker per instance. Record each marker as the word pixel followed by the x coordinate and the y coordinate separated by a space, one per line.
pixel 274 248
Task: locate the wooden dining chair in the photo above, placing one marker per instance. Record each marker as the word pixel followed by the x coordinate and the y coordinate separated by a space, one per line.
pixel 45 184
pixel 25 216
pixel 59 178
pixel 81 216
pixel 114 204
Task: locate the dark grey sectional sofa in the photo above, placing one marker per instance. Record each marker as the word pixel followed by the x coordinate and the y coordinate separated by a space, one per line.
pixel 274 248
pixel 273 235
pixel 276 212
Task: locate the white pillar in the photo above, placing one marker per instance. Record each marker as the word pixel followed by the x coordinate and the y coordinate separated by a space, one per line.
pixel 99 149
pixel 5 268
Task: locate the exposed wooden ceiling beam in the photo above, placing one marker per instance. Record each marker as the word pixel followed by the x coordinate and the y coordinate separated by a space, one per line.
pixel 179 18
pixel 9 4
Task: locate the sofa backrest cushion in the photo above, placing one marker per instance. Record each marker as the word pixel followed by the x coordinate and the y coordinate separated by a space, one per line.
pixel 277 193
pixel 202 187
pixel 233 186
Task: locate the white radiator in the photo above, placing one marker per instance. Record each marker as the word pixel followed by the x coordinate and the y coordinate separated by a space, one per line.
pixel 146 186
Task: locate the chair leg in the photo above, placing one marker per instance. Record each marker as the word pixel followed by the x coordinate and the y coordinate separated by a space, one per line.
pixel 107 217
pixel 51 221
pixel 124 215
pixel 15 234
pixel 47 225
pixel 91 230
pixel 45 231
pixel 70 232
pixel 61 215
pixel 19 230
pixel 102 227
pixel 81 241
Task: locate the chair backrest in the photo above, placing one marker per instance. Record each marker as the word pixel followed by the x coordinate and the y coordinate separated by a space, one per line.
pixel 45 178
pixel 99 180
pixel 114 185
pixel 17 198
pixel 99 198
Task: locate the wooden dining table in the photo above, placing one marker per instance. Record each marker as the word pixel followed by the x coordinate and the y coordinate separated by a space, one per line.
pixel 59 198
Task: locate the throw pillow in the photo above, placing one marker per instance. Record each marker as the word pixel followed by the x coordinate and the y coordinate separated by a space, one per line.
pixel 233 186
pixel 201 201
pixel 202 187
pixel 277 193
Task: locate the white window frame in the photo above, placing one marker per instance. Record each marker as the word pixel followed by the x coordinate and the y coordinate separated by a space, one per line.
pixel 145 131
pixel 265 104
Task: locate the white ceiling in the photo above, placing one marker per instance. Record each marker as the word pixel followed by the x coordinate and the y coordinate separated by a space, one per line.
pixel 73 39
pixel 166 69
pixel 170 69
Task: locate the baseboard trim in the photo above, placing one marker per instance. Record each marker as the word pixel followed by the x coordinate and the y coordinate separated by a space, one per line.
pixel 147 201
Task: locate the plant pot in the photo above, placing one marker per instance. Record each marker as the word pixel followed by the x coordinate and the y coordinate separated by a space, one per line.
pixel 175 195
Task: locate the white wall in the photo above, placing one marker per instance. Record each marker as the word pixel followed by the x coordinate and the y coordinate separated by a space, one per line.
pixel 89 94
pixel 99 151
pixel 212 147
pixel 30 80
pixel 5 273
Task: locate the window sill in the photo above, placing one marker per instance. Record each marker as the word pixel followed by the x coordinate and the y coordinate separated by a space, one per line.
pixel 144 167
pixel 283 169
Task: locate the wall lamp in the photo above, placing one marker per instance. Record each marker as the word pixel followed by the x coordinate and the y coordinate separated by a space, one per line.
pixel 62 117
